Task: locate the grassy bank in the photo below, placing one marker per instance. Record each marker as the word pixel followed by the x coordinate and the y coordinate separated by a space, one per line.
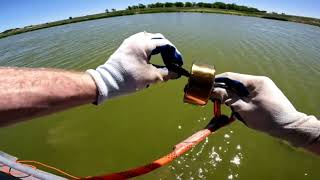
pixel 298 19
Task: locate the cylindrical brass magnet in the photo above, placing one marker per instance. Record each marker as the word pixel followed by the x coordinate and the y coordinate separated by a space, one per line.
pixel 200 84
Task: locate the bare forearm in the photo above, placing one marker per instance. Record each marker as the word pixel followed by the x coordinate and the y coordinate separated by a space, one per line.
pixel 27 93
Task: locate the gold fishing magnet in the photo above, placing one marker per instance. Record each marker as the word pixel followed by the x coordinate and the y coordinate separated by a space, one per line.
pixel 200 84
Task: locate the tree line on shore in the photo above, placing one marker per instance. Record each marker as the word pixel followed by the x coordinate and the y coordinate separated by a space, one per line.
pixel 217 5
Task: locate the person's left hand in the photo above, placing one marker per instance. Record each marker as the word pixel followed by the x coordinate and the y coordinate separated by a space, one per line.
pixel 128 69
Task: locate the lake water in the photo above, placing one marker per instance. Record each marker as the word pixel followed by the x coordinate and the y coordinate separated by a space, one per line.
pixel 133 130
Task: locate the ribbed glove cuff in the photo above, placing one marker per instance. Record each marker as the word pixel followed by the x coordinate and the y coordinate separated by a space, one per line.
pixel 301 133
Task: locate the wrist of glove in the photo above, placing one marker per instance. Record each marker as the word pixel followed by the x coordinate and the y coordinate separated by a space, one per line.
pixel 298 129
pixel 128 69
pixel 268 110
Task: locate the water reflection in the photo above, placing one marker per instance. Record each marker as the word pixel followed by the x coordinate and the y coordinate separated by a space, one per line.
pixel 201 162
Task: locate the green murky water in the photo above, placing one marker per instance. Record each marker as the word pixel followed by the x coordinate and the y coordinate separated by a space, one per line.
pixel 134 130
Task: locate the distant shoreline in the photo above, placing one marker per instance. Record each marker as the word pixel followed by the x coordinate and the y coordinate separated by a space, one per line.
pixel 282 17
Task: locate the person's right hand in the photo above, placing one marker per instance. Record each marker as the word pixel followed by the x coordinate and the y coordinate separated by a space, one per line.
pixel 267 109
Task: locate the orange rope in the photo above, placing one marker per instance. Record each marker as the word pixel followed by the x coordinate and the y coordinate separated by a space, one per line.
pixel 216 108
pixel 49 167
pixel 179 150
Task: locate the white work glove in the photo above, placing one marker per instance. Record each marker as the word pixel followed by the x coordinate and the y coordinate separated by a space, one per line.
pixel 267 109
pixel 128 69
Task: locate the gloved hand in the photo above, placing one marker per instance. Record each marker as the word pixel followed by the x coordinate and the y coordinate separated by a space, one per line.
pixel 267 109
pixel 128 69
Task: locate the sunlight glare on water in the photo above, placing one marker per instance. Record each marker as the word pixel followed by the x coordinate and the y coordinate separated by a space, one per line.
pixel 185 168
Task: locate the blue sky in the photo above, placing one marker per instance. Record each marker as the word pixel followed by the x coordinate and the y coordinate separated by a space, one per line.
pixel 20 13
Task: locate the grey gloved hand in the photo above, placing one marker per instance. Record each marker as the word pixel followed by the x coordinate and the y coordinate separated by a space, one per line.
pixel 268 110
pixel 128 69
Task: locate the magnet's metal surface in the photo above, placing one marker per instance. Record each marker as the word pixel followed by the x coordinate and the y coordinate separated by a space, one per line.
pixel 200 84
